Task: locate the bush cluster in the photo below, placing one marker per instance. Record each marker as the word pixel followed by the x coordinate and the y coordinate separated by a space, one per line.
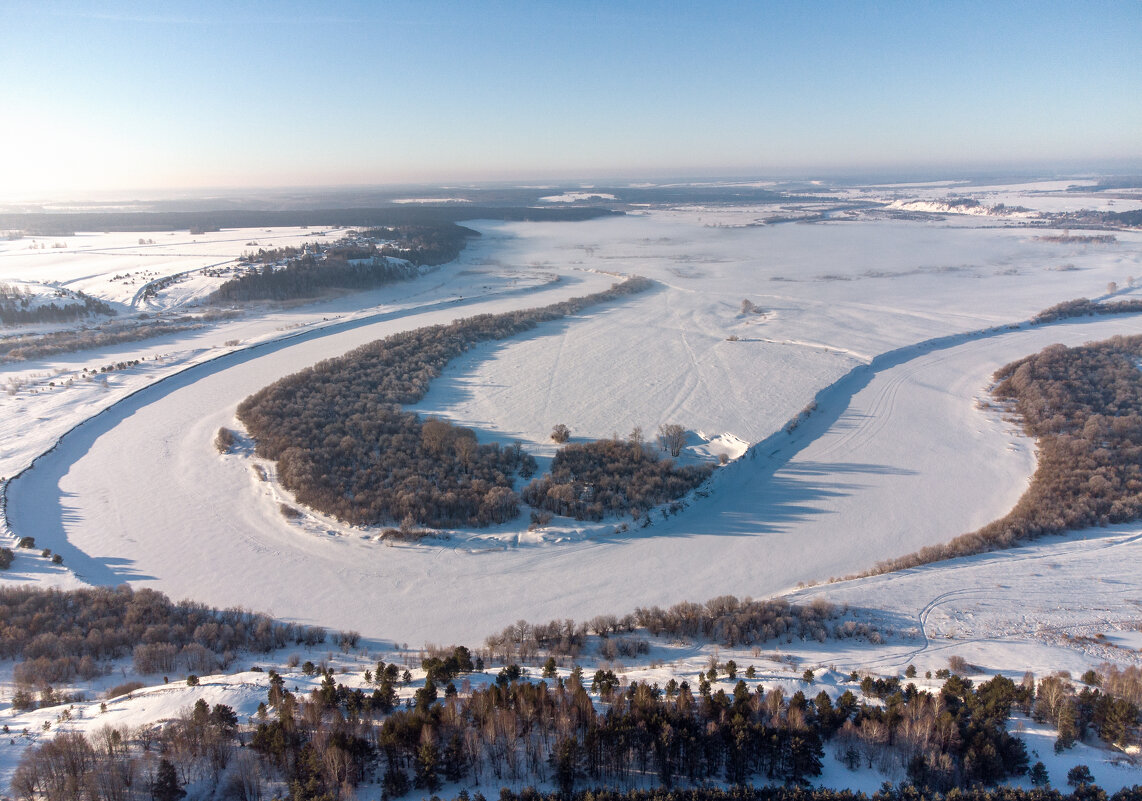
pixel 592 480
pixel 60 634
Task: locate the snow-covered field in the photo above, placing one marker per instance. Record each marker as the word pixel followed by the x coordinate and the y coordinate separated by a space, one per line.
pixel 891 328
pixel 117 267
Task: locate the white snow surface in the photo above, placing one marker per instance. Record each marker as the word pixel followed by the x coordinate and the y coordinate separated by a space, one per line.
pixel 885 332
pixel 117 267
pixel 139 494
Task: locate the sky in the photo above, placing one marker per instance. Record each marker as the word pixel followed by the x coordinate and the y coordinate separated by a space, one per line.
pixel 125 96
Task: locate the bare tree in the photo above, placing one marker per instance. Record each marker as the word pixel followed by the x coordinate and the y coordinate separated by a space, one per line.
pixel 672 438
pixel 560 433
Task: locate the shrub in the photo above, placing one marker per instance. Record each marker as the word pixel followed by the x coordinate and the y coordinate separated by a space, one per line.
pixel 560 433
pixel 224 440
pixel 124 689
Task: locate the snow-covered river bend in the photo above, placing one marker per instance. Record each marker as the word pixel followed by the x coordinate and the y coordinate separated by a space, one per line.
pixel 138 494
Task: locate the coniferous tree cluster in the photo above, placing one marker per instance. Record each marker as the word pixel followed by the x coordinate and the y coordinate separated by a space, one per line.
pixel 345 447
pixel 591 480
pixel 568 733
pixel 318 269
pixel 1084 407
pixel 1111 714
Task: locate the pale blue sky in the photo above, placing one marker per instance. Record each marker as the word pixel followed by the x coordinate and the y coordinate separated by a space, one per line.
pixel 117 95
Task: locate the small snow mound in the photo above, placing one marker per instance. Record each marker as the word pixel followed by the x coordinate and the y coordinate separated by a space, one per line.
pixel 713 447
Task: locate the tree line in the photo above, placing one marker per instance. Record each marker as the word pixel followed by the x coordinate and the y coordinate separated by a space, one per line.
pixel 58 635
pixel 726 620
pixel 345 447
pixel 1084 307
pixel 1083 405
pixel 567 732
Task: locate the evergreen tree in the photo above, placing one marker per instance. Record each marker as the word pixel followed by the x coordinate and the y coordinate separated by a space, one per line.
pixel 165 786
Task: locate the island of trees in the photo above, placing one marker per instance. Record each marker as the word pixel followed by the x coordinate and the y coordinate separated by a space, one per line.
pixel 592 480
pixel 345 447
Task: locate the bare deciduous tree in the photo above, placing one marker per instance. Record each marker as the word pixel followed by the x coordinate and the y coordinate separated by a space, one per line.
pixel 672 438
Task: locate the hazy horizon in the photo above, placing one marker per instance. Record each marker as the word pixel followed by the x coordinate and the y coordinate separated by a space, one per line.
pixel 116 99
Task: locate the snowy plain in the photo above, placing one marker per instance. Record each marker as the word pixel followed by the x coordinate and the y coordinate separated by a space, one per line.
pixel 892 328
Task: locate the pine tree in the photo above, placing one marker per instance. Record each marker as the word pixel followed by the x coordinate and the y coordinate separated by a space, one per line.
pixel 165 786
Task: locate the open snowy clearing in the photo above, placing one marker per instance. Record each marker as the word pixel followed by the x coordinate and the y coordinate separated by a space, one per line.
pixel 116 267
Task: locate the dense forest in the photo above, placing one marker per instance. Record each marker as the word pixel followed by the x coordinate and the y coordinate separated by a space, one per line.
pixel 592 480
pixel 564 729
pixel 345 447
pixel 566 732
pixel 16 307
pixel 1084 407
pixel 318 269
